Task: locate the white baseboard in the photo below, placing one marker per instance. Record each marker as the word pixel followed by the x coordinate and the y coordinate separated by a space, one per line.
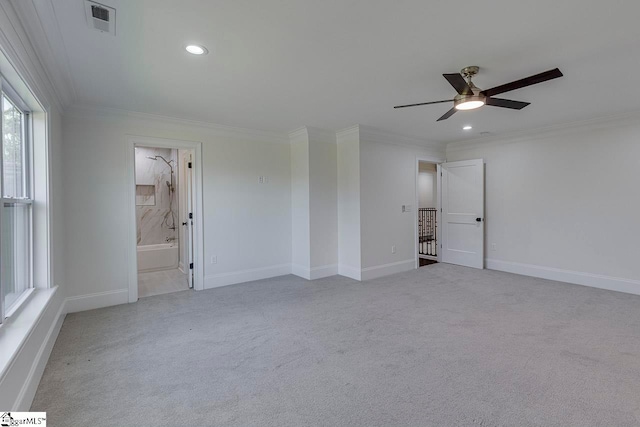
pixel 314 273
pixel 579 278
pixel 376 271
pixel 31 382
pixel 97 300
pixel 224 279
pixel 28 342
pixel 324 271
pixel 348 271
pixel 301 271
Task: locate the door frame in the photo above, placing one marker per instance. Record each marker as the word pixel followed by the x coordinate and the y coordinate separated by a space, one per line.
pixel 183 210
pixel 198 236
pixel 437 161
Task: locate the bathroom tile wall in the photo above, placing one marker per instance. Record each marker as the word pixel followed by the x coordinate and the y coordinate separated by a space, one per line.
pixel 153 220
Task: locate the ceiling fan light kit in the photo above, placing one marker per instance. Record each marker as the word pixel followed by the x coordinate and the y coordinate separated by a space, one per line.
pixel 470 97
pixel 469 102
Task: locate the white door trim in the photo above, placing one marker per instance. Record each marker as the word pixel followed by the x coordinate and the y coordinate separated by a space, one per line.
pixel 198 236
pixel 436 161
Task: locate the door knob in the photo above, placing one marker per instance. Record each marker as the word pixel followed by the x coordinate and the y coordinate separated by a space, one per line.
pixel 478 219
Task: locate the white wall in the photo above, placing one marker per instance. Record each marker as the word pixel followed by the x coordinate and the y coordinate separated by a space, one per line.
pixel 247 225
pixel 376 176
pixel 564 203
pixel 388 181
pixel 300 235
pixel 323 202
pixel 348 164
pixel 314 203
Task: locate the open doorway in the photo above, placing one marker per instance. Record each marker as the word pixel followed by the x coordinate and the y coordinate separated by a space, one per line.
pixel 166 253
pixel 160 241
pixel 427 221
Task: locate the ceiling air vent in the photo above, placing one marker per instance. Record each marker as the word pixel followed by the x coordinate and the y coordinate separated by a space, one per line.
pixel 100 17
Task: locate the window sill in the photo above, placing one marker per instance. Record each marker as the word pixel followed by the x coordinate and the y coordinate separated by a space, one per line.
pixel 16 329
pixel 22 299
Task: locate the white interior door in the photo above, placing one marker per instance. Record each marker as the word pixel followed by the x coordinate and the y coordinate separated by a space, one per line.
pixel 188 232
pixel 463 213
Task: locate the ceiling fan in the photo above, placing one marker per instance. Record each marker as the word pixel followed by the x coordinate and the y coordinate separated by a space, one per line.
pixel 470 97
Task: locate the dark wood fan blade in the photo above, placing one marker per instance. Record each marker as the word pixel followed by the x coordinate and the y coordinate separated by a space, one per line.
pixel 538 78
pixel 423 103
pixel 448 114
pixel 506 103
pixel 458 83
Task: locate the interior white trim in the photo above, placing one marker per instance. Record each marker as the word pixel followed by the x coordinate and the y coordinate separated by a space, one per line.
pixel 24 59
pixel 320 135
pixel 348 271
pixel 323 271
pixel 31 382
pixel 222 131
pixel 376 271
pixel 372 134
pixel 54 58
pixel 576 277
pixel 314 273
pixel 26 342
pixel 241 276
pixel 98 300
pixel 300 271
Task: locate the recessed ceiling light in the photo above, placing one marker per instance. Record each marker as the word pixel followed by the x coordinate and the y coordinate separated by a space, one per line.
pixel 467 127
pixel 196 49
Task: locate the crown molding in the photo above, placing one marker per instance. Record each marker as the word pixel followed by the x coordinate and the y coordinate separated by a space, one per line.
pixel 223 131
pixel 298 135
pixel 601 122
pixel 43 32
pixel 348 134
pixel 308 133
pixel 16 46
pixel 321 135
pixel 371 134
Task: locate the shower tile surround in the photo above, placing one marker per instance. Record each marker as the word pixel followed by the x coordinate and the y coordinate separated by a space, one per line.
pixel 149 217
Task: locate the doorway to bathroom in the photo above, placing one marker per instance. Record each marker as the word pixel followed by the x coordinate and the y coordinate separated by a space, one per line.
pixel 166 195
pixel 162 266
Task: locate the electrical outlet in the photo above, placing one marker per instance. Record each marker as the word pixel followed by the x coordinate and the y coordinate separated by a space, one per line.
pixel 393 249
pixel 494 247
pixel 214 259
pixel 261 179
pixel 266 180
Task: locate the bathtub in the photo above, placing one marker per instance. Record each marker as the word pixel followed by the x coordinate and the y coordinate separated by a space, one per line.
pixel 158 257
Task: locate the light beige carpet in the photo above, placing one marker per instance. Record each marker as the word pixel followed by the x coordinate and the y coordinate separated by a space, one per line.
pixel 438 346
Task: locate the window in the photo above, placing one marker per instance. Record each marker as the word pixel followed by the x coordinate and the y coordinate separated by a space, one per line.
pixel 16 212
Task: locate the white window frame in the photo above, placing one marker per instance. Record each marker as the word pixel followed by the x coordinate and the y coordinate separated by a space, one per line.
pixel 27 131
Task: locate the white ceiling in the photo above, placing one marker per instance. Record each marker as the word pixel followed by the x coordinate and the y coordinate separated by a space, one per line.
pixel 280 64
